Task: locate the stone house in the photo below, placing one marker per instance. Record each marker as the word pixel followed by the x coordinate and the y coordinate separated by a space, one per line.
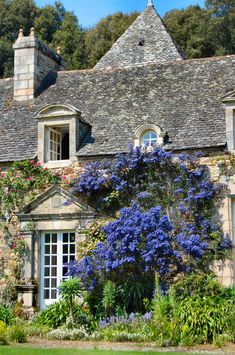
pixel 143 91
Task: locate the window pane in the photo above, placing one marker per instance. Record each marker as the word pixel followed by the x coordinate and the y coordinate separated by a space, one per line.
pixel 54 238
pixel 72 257
pixel 72 249
pixel 53 283
pixel 65 249
pixel 65 238
pixel 46 283
pixel 149 138
pixel 46 294
pixel 65 259
pixel 65 270
pixel 47 249
pixel 54 260
pixel 47 238
pixel 47 271
pixel 53 271
pixel 53 294
pixel 47 260
pixel 54 249
pixel 72 237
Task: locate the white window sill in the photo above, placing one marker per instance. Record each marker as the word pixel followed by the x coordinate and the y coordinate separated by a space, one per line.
pixel 57 164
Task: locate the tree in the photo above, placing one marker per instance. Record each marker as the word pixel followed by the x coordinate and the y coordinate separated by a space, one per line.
pixel 190 27
pixel 222 25
pixel 163 212
pixel 71 40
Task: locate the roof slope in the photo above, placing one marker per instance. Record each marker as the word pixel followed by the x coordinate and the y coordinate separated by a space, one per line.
pixel 182 97
pixel 146 40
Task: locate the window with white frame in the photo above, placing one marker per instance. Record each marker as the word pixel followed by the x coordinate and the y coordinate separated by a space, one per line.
pixel 149 138
pixel 57 143
pixel 57 249
pixel 148 135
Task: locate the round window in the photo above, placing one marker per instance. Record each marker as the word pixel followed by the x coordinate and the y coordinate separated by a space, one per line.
pixel 149 138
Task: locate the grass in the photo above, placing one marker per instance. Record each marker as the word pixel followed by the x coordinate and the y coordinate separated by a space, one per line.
pixel 14 350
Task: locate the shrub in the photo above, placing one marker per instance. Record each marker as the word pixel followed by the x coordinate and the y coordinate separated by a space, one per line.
pixel 68 334
pixel 3 333
pixel 6 315
pixel 18 333
pixel 197 310
pixel 57 314
pixel 9 294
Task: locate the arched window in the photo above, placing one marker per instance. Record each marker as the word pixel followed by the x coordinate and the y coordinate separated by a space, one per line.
pixel 149 138
pixel 148 135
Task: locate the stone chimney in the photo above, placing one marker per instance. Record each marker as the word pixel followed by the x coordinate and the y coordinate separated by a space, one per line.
pixel 35 66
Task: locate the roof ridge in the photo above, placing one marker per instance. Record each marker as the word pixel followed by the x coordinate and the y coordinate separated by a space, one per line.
pixel 146 64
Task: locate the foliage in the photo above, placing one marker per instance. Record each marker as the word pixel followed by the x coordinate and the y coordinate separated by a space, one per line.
pixel 94 235
pixel 68 334
pixel 3 333
pixel 196 310
pixel 9 294
pixel 56 315
pixel 19 184
pixel 6 315
pixel 70 289
pixel 109 298
pixel 132 327
pixel 201 32
pixel 166 227
pixel 18 333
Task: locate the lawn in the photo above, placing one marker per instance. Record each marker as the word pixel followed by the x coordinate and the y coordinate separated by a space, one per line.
pixel 6 350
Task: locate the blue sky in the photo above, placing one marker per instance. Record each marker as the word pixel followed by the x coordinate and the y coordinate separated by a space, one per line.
pixel 89 12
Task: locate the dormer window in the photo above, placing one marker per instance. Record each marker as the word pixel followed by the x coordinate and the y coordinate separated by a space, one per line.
pixel 149 138
pixel 61 133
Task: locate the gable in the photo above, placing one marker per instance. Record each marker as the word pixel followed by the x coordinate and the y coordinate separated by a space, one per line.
pixel 55 201
pixel 229 97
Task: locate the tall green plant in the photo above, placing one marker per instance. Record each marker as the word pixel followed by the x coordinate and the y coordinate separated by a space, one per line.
pixel 69 290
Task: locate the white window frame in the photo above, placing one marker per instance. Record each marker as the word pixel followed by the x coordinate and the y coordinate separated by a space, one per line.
pixel 52 152
pixel 139 133
pixel 151 141
pixel 59 266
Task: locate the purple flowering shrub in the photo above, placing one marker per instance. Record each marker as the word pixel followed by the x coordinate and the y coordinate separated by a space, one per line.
pixel 165 222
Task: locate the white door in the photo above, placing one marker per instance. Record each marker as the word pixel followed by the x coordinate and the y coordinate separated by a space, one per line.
pixel 57 249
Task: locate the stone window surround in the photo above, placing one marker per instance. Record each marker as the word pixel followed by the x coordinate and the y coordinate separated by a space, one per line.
pixel 52 116
pixel 229 104
pixel 148 127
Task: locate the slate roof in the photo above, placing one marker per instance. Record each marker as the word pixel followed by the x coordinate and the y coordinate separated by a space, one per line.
pixel 182 97
pixel 146 40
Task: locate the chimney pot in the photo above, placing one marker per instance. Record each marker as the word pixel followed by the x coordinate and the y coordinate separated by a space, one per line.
pixel 32 32
pixel 21 33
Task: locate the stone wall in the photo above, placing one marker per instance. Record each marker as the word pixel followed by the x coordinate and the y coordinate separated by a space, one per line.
pixel 225 273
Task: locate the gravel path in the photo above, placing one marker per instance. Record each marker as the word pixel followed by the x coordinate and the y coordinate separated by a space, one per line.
pixel 204 349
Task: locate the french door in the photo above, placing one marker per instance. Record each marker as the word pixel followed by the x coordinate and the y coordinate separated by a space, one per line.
pixel 57 249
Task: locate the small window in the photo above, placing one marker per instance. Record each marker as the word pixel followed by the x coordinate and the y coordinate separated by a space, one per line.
pixel 149 138
pixel 57 143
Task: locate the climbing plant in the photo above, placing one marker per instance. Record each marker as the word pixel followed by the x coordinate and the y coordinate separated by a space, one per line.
pixel 163 212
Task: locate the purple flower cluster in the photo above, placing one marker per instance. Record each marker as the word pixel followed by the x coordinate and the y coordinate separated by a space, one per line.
pixel 125 320
pixel 167 224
